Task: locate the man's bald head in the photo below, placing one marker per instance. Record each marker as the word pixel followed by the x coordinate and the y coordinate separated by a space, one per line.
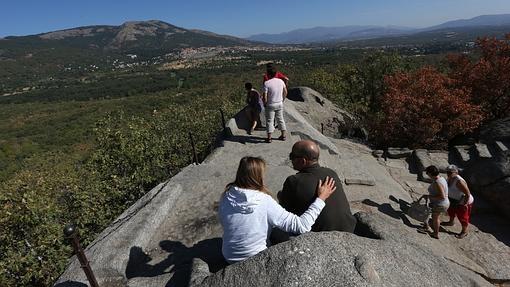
pixel 307 149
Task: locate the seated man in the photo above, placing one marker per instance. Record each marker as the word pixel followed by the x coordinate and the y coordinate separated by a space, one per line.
pixel 299 190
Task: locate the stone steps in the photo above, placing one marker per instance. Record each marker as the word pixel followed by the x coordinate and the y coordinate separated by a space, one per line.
pixel 501 147
pixel 481 151
pixel 462 155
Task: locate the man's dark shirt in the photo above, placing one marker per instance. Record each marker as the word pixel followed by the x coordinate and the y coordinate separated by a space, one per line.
pixel 299 191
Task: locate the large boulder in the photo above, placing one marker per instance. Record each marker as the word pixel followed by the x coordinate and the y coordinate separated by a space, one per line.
pixel 395 152
pixel 489 173
pixel 422 158
pixel 344 259
pixel 490 178
pixel 324 115
pixel 496 131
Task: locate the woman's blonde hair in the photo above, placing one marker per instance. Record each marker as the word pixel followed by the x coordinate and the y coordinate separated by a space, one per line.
pixel 250 174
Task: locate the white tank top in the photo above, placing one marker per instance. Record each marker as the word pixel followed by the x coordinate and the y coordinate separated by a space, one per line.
pixel 455 192
pixel 433 191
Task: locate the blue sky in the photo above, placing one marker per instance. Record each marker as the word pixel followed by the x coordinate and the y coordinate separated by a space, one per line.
pixel 239 18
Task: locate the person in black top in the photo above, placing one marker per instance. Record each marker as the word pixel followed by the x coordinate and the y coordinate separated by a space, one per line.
pixel 254 107
pixel 299 190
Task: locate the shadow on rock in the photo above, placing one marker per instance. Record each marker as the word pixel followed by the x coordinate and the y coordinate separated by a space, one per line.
pixel 387 209
pixel 246 139
pixel 494 224
pixel 179 260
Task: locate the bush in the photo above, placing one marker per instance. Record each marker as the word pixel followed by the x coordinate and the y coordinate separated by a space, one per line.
pixel 423 109
pixel 358 88
pixel 132 155
pixel 373 70
pixel 35 204
pixel 487 78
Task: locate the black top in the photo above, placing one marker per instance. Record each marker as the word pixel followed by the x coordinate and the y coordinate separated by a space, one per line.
pixel 253 99
pixel 299 191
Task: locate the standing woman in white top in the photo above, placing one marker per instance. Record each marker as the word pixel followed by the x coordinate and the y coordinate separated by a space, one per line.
pixel 461 200
pixel 248 213
pixel 274 95
pixel 438 196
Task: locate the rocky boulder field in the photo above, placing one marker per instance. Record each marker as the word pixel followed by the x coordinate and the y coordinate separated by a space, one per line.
pixel 172 236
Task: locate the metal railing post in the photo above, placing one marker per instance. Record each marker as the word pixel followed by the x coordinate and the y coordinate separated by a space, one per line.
pixel 71 234
pixel 222 119
pixel 195 157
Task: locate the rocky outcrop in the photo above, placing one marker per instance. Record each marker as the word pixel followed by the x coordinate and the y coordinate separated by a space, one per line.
pixel 171 237
pixel 486 247
pixel 490 178
pixel 496 131
pixel 487 164
pixel 324 115
pixel 344 259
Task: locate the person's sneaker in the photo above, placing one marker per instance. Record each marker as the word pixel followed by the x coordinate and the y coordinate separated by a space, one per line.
pixel 461 235
pixel 447 223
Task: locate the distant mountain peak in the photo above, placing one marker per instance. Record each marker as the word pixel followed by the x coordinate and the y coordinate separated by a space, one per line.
pixel 148 23
pixel 322 34
pixel 482 20
pixel 133 30
pixel 355 32
pixel 128 31
pixel 132 36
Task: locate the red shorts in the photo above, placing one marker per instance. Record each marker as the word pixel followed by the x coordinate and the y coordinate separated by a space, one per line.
pixel 463 213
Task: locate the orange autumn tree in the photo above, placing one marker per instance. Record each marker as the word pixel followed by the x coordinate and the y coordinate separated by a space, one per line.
pixel 487 78
pixel 423 109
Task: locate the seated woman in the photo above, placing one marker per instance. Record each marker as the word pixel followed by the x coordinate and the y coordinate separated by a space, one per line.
pixel 438 196
pixel 248 212
pixel 461 200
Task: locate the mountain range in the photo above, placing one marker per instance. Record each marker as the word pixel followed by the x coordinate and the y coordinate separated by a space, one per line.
pixel 139 35
pixel 156 37
pixel 328 34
